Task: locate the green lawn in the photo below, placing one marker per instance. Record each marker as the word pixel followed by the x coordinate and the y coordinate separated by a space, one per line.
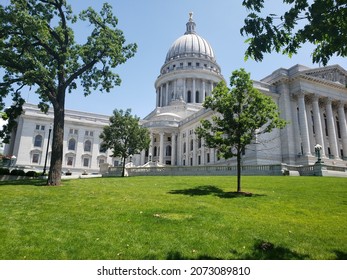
pixel 175 218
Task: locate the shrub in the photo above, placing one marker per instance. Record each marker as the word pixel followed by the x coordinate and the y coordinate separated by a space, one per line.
pixel 4 171
pixel 32 173
pixel 18 172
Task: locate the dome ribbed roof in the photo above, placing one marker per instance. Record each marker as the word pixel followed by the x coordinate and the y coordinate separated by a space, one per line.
pixel 190 44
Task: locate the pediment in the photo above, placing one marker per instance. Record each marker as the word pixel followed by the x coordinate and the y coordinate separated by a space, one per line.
pixel 334 74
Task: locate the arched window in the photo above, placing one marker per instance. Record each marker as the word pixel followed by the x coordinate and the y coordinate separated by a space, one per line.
pixel 184 147
pixel 38 141
pixel 191 145
pixel 197 97
pixel 189 97
pixel 155 151
pixel 72 144
pixel 87 146
pixel 168 150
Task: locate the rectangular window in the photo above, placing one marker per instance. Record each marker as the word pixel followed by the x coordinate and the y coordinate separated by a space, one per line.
pixel 86 162
pixel 70 161
pixel 37 127
pixel 73 131
pixel 208 157
pixel 36 158
pixel 42 127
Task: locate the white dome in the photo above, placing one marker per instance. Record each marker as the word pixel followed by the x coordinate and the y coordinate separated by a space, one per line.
pixel 190 44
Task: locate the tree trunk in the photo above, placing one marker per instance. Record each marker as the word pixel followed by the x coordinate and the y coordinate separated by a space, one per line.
pixel 123 170
pixel 239 170
pixel 54 176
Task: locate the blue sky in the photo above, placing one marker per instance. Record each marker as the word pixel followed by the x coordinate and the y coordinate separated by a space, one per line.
pixel 154 25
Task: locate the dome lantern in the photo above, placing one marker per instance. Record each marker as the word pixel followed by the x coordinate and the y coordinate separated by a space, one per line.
pixel 190 25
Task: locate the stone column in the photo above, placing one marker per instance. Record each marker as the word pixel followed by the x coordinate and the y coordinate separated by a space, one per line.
pixel 288 143
pixel 173 148
pixel 194 152
pixel 212 155
pixel 157 104
pixel 202 151
pixel 193 93
pixel 318 123
pixel 150 150
pixel 203 90
pixel 303 125
pixel 161 152
pixel 184 90
pixel 343 127
pixel 143 157
pixel 167 94
pixel 174 91
pixel 331 129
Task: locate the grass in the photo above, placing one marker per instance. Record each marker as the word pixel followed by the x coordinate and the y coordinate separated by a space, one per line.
pixel 175 218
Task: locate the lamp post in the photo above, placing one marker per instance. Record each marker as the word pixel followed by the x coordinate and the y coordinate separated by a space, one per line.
pixel 49 137
pixel 318 149
pixel 13 160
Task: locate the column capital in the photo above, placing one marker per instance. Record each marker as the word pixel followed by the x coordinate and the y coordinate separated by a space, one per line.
pixel 341 104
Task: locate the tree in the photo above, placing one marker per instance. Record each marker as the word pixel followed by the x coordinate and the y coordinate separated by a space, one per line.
pixel 242 113
pixel 124 136
pixel 37 48
pixel 322 23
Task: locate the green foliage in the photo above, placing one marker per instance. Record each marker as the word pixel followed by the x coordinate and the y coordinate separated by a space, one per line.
pixel 124 136
pixel 32 173
pixel 242 113
pixel 322 23
pixel 4 171
pixel 174 218
pixel 38 48
pixel 17 172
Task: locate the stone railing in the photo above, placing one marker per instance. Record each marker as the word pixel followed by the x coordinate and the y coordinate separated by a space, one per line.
pixel 195 170
pixel 216 170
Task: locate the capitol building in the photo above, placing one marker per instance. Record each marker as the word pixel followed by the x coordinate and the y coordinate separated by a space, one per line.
pixel 313 101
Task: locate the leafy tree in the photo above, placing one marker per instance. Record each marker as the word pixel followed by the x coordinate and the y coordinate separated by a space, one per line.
pixel 124 136
pixel 37 48
pixel 242 113
pixel 320 22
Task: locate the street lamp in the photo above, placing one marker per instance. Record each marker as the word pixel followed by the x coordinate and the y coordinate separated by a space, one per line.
pixel 12 160
pixel 318 149
pixel 49 137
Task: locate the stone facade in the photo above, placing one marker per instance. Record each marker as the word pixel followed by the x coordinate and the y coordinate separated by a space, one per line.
pixel 313 101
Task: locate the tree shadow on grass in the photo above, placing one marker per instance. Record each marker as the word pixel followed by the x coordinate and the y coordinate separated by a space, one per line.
pixel 212 190
pixel 175 255
pixel 261 250
pixel 340 255
pixel 24 182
